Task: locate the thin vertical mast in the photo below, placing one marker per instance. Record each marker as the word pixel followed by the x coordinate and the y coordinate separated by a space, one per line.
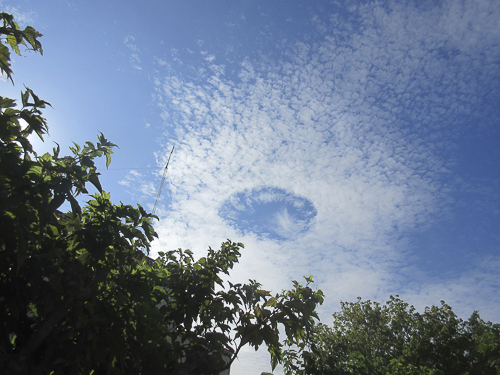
pixel 162 181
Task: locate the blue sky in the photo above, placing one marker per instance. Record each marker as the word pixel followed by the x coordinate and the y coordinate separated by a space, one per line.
pixel 357 142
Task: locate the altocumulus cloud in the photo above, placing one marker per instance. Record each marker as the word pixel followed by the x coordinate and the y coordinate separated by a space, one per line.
pixel 348 129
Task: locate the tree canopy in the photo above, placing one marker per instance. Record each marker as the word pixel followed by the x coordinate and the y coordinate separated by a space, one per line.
pixel 77 295
pixel 369 338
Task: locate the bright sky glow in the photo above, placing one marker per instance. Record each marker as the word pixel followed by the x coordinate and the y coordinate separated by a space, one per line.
pixel 355 141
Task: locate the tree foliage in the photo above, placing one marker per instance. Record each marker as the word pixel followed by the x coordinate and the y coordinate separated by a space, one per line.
pixel 13 38
pixel 78 295
pixel 369 338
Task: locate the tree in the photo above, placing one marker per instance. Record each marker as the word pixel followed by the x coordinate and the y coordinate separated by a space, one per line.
pixel 369 338
pixel 78 295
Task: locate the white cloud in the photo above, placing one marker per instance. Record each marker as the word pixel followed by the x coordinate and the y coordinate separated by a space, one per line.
pixel 135 173
pixel 210 58
pixel 22 17
pixel 286 224
pixel 134 58
pixel 160 62
pixel 462 293
pixel 129 41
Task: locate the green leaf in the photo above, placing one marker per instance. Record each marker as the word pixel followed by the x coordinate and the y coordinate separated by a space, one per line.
pixel 108 160
pixel 271 302
pixel 56 203
pixel 83 256
pixel 94 180
pixel 75 206
pixel 11 39
pixel 31 36
pixel 24 97
pixel 7 102
pixel 149 231
pixel 75 149
pixel 56 150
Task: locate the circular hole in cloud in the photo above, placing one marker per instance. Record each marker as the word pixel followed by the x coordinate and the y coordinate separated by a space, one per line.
pixel 269 212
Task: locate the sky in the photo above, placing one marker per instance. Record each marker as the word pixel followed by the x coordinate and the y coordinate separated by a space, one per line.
pixel 355 141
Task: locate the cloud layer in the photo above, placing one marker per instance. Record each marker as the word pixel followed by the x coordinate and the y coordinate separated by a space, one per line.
pixel 360 116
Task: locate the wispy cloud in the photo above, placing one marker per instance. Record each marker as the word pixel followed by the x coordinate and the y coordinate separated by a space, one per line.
pixel 21 16
pixel 285 224
pixel 134 58
pixel 130 43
